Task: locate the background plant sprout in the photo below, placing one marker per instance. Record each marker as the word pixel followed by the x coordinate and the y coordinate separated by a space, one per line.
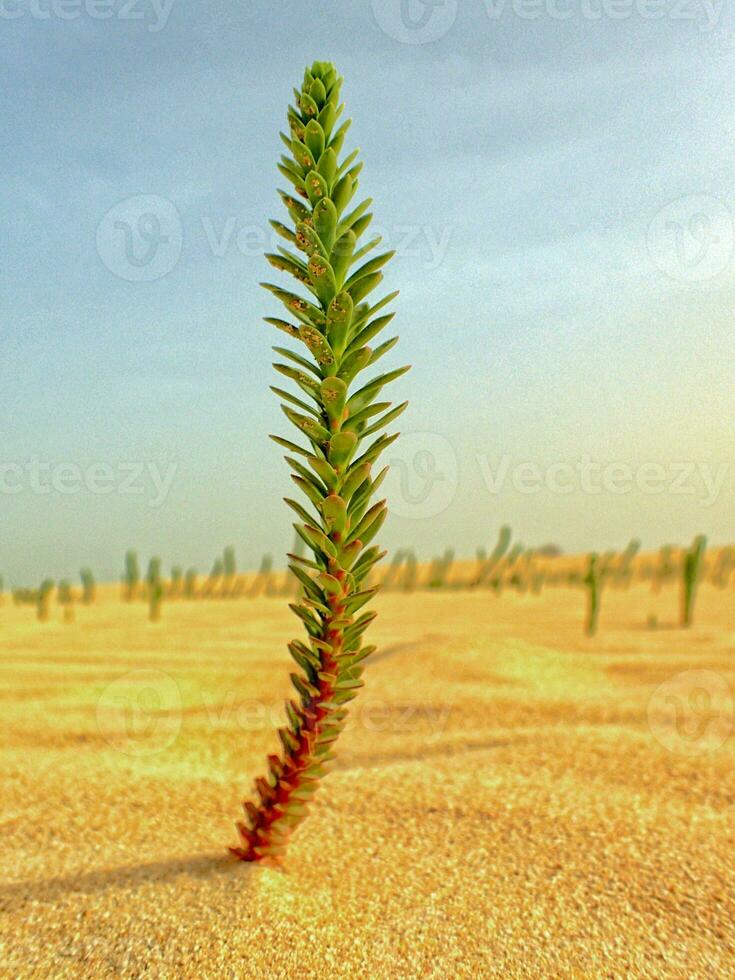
pixel 336 520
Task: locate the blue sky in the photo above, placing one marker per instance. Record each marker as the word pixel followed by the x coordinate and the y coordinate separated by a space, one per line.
pixel 559 192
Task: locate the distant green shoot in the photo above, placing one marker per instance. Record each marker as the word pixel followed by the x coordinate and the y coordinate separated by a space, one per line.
pixel 154 586
pixel 692 570
pixel 593 583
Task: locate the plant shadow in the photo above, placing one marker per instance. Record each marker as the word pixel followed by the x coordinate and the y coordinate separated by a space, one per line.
pixel 204 866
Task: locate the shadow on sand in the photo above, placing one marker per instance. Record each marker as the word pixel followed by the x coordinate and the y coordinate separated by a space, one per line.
pixel 131 876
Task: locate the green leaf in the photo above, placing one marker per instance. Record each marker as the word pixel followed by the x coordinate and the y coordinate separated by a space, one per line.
pixel 361 287
pixel 297 210
pixel 338 139
pixel 356 476
pixel 320 540
pixel 366 312
pixel 300 512
pixel 358 599
pixel 284 231
pixel 327 167
pixel 314 139
pixel 334 511
pixel 342 445
pixel 353 364
pixel 341 255
pixel 342 193
pixel 287 444
pixel 360 530
pixel 313 429
pixel 334 395
pixel 358 420
pixel 303 156
pixel 302 379
pixel 339 319
pixel 301 308
pixel 380 444
pixel 288 328
pixel 371 390
pixel 350 219
pixel 316 187
pixel 308 106
pixel 326 472
pixel 293 400
pixel 290 173
pixel 327 118
pixel 325 225
pixel 383 349
pixel 309 489
pixel 318 92
pixel 385 420
pixel 307 384
pixel 306 474
pixel 308 240
pixel 321 275
pixel 374 265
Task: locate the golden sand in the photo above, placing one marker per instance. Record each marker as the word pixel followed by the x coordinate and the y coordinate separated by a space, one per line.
pixel 510 799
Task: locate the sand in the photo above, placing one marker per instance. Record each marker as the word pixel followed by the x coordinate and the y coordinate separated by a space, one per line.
pixel 511 799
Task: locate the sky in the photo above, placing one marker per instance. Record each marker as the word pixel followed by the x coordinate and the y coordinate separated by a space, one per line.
pixel 555 176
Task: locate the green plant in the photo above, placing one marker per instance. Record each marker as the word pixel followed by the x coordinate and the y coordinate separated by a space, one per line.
pixel 215 577
pixel 131 579
pixel 89 587
pixel 439 570
pixel 263 582
pixel 177 578
pixel 43 600
pixel 720 574
pixel 229 570
pixel 487 565
pixel 190 584
pixel 65 599
pixel 155 589
pixel 623 573
pixel 593 582
pixel 338 521
pixel 692 568
pixel 665 568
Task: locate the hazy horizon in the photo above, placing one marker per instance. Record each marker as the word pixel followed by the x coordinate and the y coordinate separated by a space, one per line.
pixel 559 192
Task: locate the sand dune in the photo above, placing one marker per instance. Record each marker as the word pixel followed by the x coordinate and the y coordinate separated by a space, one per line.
pixel 511 799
